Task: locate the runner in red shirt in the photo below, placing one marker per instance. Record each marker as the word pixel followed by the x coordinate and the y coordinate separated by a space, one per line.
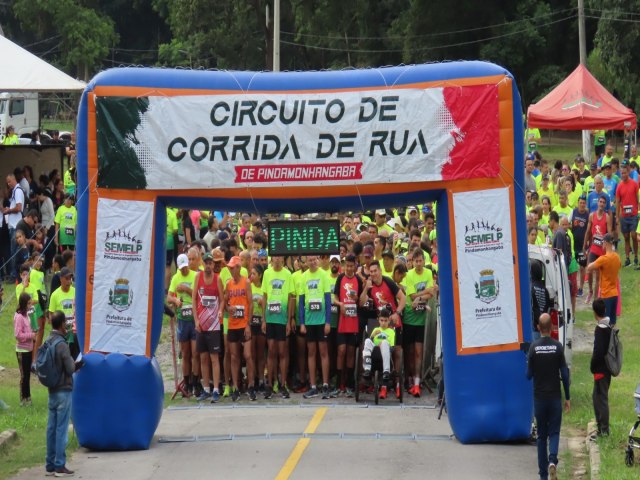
pixel 346 293
pixel 627 212
pixel 599 225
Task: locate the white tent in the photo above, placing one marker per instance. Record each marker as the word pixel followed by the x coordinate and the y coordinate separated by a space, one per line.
pixel 22 71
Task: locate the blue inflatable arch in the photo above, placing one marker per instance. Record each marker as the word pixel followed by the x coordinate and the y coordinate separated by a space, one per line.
pixel 301 142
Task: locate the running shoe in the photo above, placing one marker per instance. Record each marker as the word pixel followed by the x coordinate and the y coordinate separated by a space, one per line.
pixel 349 393
pixel 227 391
pixel 252 394
pixel 62 472
pixel 268 392
pixel 203 396
pixel 627 262
pixel 335 393
pixel 580 292
pixel 215 397
pixel 302 388
pixel 235 395
pixel 284 391
pixel 383 392
pixel 366 376
pixel 553 474
pixel 311 393
pixel 415 391
pixel 325 392
pixel 385 376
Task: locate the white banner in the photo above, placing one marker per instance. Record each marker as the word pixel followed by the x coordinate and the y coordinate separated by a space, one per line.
pixel 120 307
pixel 255 139
pixel 485 268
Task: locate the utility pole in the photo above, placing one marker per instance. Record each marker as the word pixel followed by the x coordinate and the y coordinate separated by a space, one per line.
pixel 276 35
pixel 586 134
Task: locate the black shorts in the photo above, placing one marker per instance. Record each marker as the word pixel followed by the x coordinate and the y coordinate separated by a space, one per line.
pixel 256 331
pixel 208 342
pixel 412 334
pixel 628 224
pixel 599 149
pixel 315 333
pixel 399 337
pixel 349 339
pixel 593 257
pixel 235 335
pixel 169 258
pixel 277 332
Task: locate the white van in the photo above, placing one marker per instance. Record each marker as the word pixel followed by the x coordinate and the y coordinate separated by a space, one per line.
pixel 556 279
pixel 21 110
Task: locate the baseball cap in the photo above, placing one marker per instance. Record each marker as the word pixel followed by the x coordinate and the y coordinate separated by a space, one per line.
pixel 412 208
pixel 182 261
pixel 262 253
pixel 222 235
pixel 207 256
pixel 334 257
pixel 217 254
pixel 381 211
pixel 65 272
pixel 594 166
pixel 234 262
pixel 608 238
pixel 388 253
pixel 608 165
pixel 367 251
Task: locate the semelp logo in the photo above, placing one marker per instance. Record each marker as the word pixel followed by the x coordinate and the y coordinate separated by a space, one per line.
pixel 482 235
pixel 121 245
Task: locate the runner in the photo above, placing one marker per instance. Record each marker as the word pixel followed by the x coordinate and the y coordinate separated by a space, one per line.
pixel 64 300
pixel 314 308
pixel 346 292
pixel 258 339
pixel 627 212
pixel 239 305
pixel 599 225
pixel 65 223
pixel 419 289
pixel 180 295
pixel 301 340
pixel 207 299
pixel 579 222
pixel 34 312
pixel 277 322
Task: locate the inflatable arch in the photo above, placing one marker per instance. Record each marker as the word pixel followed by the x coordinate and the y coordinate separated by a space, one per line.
pixel 301 142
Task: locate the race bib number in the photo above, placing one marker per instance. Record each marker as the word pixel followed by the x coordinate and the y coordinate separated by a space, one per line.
pixel 421 307
pixel 627 209
pixel 256 320
pixel 350 311
pixel 532 145
pixel 186 311
pixel 597 241
pixel 238 312
pixel 31 311
pixel 601 139
pixel 69 231
pixel 334 309
pixel 274 307
pixel 315 306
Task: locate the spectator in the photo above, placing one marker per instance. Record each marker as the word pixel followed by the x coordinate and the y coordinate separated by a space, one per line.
pixel 601 374
pixel 24 346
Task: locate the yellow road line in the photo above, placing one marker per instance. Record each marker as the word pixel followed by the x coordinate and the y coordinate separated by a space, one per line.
pixel 290 465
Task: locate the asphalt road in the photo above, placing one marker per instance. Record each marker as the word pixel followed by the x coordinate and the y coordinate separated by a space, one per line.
pixel 305 439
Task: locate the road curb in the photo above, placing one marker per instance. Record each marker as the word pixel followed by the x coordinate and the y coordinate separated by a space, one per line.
pixel 7 438
pixel 594 451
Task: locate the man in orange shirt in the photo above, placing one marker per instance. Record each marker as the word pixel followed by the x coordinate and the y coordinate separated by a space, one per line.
pixel 239 304
pixel 608 265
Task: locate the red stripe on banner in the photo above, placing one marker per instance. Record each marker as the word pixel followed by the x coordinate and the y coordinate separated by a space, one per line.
pixel 476 153
pixel 311 172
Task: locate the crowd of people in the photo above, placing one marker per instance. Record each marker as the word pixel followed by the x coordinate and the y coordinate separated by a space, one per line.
pixel 295 321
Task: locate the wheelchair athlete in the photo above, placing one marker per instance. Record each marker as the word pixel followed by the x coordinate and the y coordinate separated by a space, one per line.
pixel 384 339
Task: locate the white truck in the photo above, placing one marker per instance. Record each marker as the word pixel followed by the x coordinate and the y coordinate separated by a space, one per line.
pixel 21 110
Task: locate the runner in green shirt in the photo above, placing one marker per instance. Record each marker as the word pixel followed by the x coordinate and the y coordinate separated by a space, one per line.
pixel 64 300
pixel 301 341
pixel 65 222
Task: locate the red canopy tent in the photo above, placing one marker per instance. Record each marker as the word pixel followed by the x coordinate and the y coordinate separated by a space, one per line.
pixel 580 102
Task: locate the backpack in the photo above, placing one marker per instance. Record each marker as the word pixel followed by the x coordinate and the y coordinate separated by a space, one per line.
pixel 48 373
pixel 613 357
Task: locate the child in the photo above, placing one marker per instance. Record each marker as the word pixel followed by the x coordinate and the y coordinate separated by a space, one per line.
pixel 383 337
pixel 24 346
pixel 22 253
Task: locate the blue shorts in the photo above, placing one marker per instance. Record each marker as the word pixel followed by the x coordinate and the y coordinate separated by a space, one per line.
pixel 628 224
pixel 186 330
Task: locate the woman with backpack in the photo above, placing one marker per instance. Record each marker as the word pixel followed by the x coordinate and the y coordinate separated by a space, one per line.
pixel 24 346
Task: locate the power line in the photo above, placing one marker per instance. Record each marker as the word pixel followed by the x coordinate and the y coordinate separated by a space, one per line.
pixel 612 19
pixel 435 47
pixel 428 35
